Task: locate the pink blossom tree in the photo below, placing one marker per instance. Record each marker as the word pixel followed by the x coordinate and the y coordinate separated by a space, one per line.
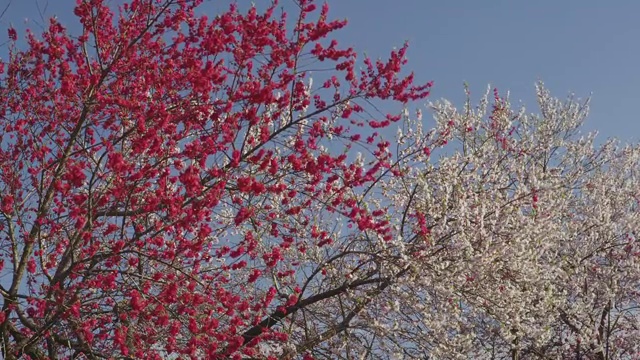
pixel 164 175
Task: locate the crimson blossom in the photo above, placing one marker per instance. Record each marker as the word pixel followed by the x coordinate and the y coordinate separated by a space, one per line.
pixel 169 179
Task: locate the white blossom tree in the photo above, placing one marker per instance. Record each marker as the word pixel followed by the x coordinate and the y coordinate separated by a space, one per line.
pixel 513 237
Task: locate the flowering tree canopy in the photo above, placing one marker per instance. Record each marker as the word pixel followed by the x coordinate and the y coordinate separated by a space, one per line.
pixel 519 242
pixel 513 236
pixel 174 185
pixel 163 173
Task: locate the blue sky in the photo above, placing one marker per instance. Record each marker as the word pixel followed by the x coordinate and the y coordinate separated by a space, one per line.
pixel 573 46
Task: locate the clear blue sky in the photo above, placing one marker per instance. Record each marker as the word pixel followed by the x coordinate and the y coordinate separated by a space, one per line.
pixel 579 46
